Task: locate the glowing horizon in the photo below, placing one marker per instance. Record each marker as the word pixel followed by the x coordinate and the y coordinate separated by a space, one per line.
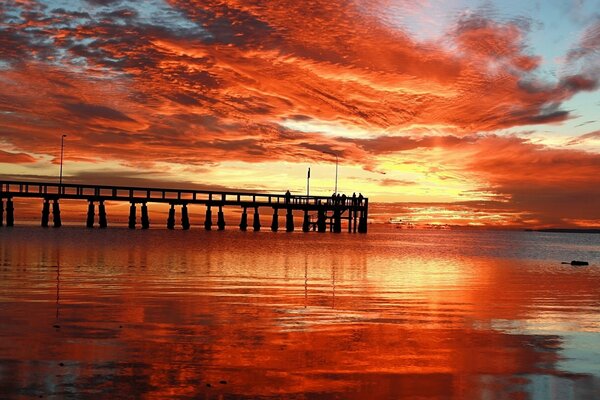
pixel 465 113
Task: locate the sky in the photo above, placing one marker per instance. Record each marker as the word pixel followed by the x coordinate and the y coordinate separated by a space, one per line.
pixel 478 113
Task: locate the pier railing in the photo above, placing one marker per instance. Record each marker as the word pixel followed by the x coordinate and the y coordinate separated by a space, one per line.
pixel 340 207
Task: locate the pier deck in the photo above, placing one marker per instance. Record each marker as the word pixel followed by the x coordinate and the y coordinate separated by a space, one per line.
pixel 331 211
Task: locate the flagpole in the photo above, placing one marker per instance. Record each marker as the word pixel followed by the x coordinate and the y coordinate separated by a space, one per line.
pixel 308 184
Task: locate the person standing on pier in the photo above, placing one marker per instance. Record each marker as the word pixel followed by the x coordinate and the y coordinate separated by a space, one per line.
pixel 354 198
pixel 288 197
pixel 360 199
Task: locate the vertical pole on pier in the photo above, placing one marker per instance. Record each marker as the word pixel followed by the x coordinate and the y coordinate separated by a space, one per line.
pixel 171 217
pixel 89 223
pixel 208 219
pixel 102 222
pixel 221 219
pixel 275 222
pixel 45 213
pixel 306 222
pixel 355 219
pixel 289 221
pixel 10 212
pixel 366 216
pixel 145 218
pixel 244 221
pixel 56 214
pixel 132 216
pixel 322 220
pixel 256 221
pixel 185 219
pixel 1 211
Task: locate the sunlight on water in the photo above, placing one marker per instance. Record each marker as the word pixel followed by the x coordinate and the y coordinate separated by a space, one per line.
pixel 423 314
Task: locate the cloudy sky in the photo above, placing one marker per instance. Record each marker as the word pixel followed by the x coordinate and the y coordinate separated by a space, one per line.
pixel 463 112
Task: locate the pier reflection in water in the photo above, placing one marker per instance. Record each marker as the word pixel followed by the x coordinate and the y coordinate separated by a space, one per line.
pixel 197 314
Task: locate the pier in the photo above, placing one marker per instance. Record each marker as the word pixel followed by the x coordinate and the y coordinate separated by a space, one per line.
pixel 320 213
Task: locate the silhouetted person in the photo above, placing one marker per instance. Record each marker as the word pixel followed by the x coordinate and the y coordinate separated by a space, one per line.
pixel 288 197
pixel 360 199
pixel 344 199
pixel 333 198
pixel 354 198
pixel 338 198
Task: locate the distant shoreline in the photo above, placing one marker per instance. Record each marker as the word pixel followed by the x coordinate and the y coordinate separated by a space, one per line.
pixel 564 230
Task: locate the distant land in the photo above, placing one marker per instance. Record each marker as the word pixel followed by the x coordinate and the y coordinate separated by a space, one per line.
pixel 565 230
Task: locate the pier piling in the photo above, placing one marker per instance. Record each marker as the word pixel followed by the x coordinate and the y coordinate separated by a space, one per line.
pixel 256 220
pixel 244 221
pixel 132 216
pixel 145 219
pixel 89 223
pixel 45 213
pixel 1 212
pixel 306 222
pixel 102 222
pixel 337 221
pixel 10 212
pixel 171 217
pixel 185 219
pixel 322 220
pixel 56 214
pixel 208 218
pixel 221 219
pixel 289 221
pixel 275 222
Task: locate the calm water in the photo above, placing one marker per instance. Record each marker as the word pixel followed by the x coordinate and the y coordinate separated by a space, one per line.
pixel 393 314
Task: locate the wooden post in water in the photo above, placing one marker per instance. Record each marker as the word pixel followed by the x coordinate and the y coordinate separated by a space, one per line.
pixel 289 221
pixel 306 222
pixel 102 222
pixel 185 219
pixel 89 223
pixel 244 221
pixel 10 212
pixel 256 221
pixel 221 219
pixel 145 219
pixel 208 218
pixel 275 222
pixel 45 213
pixel 132 216
pixel 171 217
pixel 1 211
pixel 322 220
pixel 56 214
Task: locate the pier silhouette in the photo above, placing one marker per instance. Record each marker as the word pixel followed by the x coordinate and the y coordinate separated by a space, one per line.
pixel 320 213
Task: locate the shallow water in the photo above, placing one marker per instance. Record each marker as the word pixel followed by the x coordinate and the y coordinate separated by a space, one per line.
pixel 393 314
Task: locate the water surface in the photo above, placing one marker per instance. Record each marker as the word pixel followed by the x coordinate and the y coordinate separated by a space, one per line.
pixel 393 314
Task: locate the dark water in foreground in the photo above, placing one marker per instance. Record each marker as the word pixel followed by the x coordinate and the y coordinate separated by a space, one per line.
pixel 393 314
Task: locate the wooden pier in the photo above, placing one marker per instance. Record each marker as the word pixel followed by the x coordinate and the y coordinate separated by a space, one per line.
pixel 327 212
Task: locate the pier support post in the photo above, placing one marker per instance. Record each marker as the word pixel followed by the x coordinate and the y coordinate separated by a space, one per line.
pixel 185 219
pixel 10 212
pixel 256 221
pixel 208 219
pixel 221 219
pixel 306 222
pixel 275 222
pixel 45 213
pixel 349 220
pixel 132 216
pixel 322 221
pixel 89 223
pixel 244 221
pixel 289 221
pixel 145 218
pixel 102 222
pixel 364 214
pixel 56 214
pixel 337 221
pixel 355 224
pixel 171 217
pixel 1 211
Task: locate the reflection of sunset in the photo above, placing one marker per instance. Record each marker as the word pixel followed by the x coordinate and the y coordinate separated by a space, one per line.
pixel 475 114
pixel 394 315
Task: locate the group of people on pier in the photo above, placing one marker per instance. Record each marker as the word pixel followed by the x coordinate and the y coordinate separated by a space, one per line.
pixel 336 199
